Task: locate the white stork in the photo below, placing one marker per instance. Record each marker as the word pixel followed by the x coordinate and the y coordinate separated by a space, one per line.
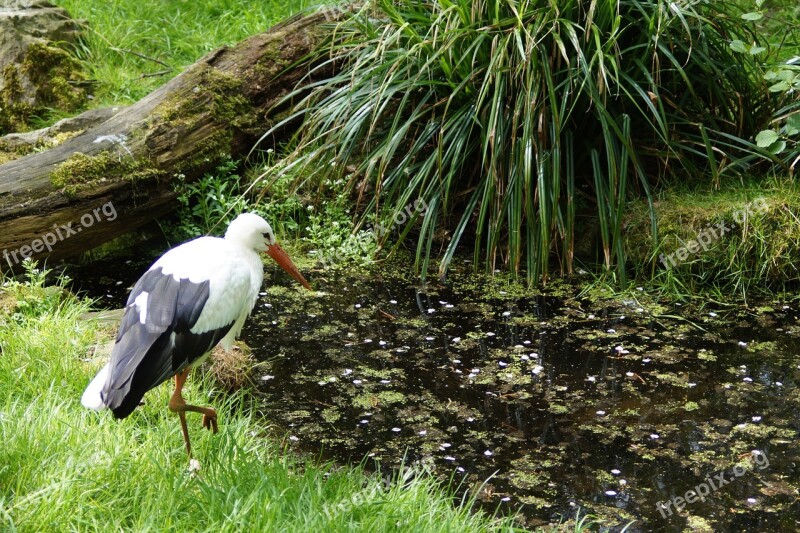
pixel 193 297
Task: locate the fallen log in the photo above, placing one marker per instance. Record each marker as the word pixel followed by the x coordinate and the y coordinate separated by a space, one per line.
pixel 118 175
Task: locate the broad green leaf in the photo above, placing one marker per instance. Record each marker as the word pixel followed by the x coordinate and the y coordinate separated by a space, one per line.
pixel 779 87
pixel 753 16
pixel 792 126
pixel 738 46
pixel 755 50
pixel 766 137
pixel 777 147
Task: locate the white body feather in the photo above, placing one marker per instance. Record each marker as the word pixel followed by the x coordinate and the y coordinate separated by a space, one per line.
pixel 235 273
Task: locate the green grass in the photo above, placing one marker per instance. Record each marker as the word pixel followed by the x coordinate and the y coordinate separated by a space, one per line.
pixel 123 34
pixel 759 254
pixel 508 117
pixel 64 468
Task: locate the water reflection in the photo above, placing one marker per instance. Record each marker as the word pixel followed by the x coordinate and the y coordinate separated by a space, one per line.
pixel 567 402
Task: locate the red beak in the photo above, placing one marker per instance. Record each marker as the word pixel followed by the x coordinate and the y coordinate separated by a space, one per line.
pixel 282 258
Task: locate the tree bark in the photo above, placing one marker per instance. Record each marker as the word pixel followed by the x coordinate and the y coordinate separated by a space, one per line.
pixel 135 160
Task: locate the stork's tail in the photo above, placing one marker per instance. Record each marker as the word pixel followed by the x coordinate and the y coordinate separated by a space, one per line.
pixel 91 396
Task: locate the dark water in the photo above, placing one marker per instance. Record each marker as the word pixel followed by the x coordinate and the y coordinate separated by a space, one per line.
pixel 560 402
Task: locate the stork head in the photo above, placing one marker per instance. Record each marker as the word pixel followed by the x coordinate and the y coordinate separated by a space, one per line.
pixel 252 231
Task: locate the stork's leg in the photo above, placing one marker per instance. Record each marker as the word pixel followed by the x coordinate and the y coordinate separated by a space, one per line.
pixel 178 405
pixel 182 416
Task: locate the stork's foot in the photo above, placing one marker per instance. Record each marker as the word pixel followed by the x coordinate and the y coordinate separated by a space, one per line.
pixel 210 420
pixel 177 405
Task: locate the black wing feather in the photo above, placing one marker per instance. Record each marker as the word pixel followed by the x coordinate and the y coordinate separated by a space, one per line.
pixel 146 355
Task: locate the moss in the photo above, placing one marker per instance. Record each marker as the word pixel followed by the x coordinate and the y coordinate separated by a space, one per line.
pixel 217 94
pixel 706 355
pixel 216 98
pixel 8 303
pixel 691 406
pixel 207 153
pixel 55 73
pixel 81 171
pixel 698 524
pixel 604 478
pixel 5 156
pixel 57 77
pixel 526 479
pixel 331 415
pixel 559 409
pixel 383 398
pixel 59 138
pixel 14 113
pixel 45 142
pixel 271 62
pixel 81 168
pixel 277 56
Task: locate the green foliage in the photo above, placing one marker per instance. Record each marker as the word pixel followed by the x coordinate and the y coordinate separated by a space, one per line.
pixel 783 78
pixel 783 139
pixel 327 230
pixel 279 203
pixel 211 202
pixel 30 299
pixel 59 85
pixel 588 522
pixel 324 226
pixel 335 240
pixel 502 115
pixel 778 21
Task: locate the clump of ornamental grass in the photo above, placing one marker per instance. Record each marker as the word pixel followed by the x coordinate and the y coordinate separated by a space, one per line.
pixel 509 117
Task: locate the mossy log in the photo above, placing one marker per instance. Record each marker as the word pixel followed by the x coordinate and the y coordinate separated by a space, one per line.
pixel 135 160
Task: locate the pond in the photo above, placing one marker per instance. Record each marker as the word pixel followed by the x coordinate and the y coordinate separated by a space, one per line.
pixel 540 402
